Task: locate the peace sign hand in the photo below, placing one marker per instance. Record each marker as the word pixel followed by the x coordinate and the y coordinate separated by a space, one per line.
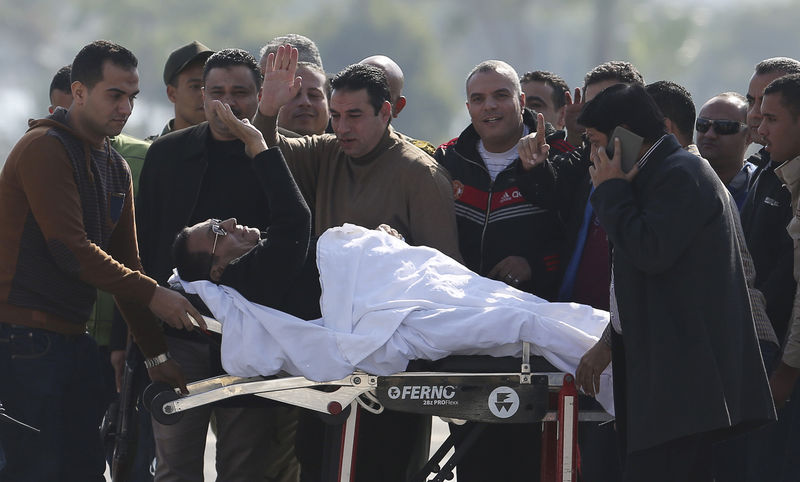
pixel 533 148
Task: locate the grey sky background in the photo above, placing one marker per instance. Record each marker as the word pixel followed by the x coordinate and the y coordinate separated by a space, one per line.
pixel 709 47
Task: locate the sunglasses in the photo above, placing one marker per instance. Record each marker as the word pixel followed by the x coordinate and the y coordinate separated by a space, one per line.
pixel 218 231
pixel 721 127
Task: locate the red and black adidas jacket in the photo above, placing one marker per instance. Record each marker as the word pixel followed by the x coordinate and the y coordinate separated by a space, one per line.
pixel 494 218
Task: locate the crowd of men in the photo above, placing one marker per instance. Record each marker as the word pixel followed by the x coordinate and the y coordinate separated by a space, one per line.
pixel 693 250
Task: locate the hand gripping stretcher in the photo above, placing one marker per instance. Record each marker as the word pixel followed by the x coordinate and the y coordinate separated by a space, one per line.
pixel 511 397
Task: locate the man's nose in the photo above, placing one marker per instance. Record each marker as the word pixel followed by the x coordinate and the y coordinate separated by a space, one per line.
pixel 228 224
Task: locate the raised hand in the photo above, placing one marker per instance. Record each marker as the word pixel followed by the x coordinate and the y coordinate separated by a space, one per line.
pixel 280 81
pixel 533 148
pixel 246 132
pixel 572 108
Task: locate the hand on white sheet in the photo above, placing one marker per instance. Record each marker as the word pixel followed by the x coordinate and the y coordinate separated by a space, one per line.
pixel 246 132
pixel 281 84
pixel 533 148
pixel 390 231
pixel 169 372
pixel 591 366
pixel 512 270
pixel 175 310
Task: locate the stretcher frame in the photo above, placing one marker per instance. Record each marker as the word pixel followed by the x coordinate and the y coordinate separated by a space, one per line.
pixel 356 392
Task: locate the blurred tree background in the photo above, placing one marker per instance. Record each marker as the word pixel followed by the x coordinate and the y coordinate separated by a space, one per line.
pixel 709 47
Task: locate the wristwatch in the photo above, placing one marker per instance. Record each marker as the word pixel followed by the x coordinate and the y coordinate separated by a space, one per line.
pixel 156 360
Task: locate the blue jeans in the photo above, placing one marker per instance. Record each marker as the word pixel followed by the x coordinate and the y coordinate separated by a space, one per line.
pixel 52 382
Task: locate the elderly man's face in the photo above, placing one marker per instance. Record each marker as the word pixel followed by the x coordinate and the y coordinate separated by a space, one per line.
pixel 226 240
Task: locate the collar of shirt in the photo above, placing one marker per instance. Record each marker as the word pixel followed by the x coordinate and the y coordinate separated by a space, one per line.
pixel 646 156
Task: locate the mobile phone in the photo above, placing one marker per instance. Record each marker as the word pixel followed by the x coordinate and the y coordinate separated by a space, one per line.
pixel 630 144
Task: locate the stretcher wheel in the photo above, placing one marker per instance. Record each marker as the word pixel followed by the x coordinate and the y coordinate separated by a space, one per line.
pixel 151 391
pixel 157 408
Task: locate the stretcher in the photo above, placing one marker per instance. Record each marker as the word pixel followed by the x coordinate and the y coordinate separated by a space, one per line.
pixel 508 397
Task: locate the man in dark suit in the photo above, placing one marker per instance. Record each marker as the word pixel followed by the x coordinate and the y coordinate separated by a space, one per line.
pixel 687 368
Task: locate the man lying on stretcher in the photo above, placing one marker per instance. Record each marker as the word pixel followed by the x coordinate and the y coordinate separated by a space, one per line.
pixel 382 302
pixel 282 273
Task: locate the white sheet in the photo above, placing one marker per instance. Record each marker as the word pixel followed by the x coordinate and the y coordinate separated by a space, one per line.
pixel 385 303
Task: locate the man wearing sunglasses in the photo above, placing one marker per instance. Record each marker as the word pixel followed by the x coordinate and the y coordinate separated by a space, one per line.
pixel 191 175
pixel 722 139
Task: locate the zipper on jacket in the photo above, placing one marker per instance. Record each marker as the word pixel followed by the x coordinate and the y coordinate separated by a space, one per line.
pixel 486 223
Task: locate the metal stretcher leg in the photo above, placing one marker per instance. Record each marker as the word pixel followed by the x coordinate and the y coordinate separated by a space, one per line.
pixel 349 445
pixel 560 457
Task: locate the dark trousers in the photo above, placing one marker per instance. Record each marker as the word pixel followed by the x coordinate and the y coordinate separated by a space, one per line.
pixel 687 459
pixel 54 383
pixel 767 453
pixel 391 447
pixel 508 452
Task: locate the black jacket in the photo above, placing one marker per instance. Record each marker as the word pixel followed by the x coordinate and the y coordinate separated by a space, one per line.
pixel 765 214
pixel 494 218
pixel 693 363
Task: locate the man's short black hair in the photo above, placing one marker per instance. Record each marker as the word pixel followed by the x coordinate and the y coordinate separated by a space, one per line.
pixel 676 103
pixel 362 76
pixel 87 68
pixel 233 58
pixel 789 88
pixel 192 266
pixel 555 82
pixel 783 65
pixel 61 81
pixel 628 105
pixel 621 71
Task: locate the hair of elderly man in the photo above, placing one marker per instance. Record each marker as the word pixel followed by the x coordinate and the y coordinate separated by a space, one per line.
pixel 783 65
pixel 306 48
pixel 192 266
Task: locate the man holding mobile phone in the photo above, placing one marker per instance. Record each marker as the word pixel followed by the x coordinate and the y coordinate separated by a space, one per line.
pixel 678 287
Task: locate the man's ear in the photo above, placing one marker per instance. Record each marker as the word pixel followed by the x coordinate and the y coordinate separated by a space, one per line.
pixel 561 120
pixel 398 106
pixel 79 92
pixel 216 271
pixel 386 111
pixel 670 126
pixel 171 93
pixel 522 100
